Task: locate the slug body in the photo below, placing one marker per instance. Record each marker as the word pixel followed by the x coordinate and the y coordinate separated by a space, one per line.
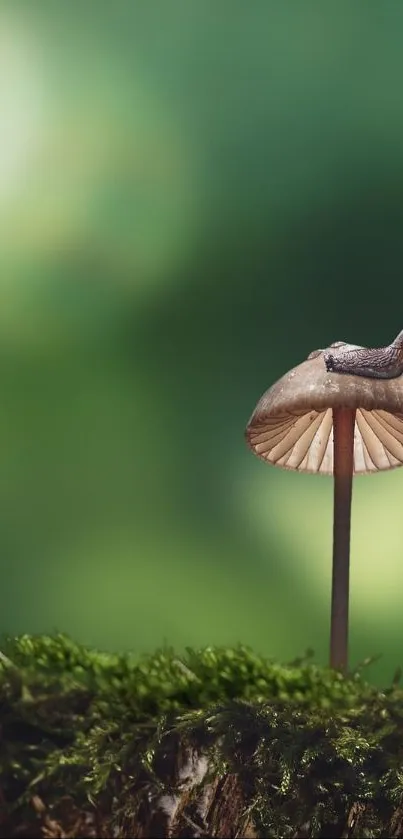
pixel 381 363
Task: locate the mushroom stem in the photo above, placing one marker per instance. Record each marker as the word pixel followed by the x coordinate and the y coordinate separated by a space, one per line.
pixel 343 441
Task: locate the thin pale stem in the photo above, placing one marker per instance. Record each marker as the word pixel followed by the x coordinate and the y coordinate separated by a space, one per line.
pixel 343 445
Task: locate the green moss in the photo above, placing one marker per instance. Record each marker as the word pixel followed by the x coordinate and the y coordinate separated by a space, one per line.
pixel 306 742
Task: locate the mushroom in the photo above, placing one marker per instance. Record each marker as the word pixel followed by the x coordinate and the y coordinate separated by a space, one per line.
pixel 340 412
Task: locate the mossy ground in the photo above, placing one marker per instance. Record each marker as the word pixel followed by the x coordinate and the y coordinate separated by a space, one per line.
pixel 102 729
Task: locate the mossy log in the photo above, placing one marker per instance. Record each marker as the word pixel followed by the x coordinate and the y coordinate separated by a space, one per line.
pixel 218 742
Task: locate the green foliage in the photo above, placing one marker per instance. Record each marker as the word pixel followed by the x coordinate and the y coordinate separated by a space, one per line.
pixel 308 740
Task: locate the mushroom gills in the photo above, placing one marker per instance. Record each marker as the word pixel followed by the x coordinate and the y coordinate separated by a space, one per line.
pixel 305 441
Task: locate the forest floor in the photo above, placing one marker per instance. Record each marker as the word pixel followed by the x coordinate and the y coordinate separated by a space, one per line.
pixel 215 742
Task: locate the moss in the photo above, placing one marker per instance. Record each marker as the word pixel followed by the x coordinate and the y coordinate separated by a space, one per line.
pixel 111 734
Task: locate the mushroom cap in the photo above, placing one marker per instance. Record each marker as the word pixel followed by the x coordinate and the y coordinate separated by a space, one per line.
pixel 292 424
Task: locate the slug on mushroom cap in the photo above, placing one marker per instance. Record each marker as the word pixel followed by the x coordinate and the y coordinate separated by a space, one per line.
pixel 292 424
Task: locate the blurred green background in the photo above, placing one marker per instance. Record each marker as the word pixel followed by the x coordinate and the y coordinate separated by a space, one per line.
pixel 193 196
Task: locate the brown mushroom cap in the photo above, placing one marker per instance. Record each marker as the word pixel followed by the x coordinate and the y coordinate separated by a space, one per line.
pixel 292 424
